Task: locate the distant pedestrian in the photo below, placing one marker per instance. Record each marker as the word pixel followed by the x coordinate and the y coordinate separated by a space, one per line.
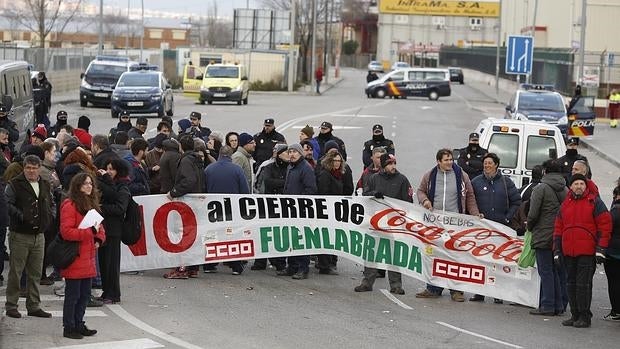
pixel 318 77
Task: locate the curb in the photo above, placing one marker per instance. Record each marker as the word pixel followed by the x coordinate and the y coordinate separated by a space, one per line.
pixel 600 153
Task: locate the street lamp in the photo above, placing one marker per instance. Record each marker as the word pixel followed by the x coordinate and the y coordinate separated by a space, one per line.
pixel 142 31
pixel 100 40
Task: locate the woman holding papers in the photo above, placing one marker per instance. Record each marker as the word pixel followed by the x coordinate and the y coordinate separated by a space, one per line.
pixel 80 220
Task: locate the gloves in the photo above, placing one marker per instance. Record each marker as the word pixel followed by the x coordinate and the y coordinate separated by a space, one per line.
pixel 600 255
pixel 557 259
pixel 379 195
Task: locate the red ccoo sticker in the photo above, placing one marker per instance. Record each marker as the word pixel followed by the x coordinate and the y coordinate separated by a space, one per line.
pixel 239 249
pixel 459 271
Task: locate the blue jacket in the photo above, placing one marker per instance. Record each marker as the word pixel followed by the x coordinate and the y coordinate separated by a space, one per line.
pixel 138 178
pixel 300 179
pixel 497 198
pixel 224 177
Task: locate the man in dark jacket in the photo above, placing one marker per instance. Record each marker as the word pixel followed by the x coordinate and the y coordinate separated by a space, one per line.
pixel 138 177
pixel 545 204
pixel 61 120
pixel 388 182
pixel 224 177
pixel 9 125
pixel 265 141
pixel 612 260
pixel 470 157
pixel 101 151
pixel 570 157
pixel 168 164
pixel 31 210
pixel 580 236
pixel 326 135
pixel 378 140
pixel 138 130
pixel 300 180
pixel 196 129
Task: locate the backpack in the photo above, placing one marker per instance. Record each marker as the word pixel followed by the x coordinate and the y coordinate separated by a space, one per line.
pixel 132 224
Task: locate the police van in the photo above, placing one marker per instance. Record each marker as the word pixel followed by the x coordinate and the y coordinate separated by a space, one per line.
pixel 412 82
pixel 16 94
pixel 100 78
pixel 520 145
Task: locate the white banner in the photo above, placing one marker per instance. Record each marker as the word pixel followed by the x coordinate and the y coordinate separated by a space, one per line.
pixel 450 250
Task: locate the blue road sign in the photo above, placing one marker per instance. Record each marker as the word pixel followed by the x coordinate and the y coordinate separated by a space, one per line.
pixel 519 54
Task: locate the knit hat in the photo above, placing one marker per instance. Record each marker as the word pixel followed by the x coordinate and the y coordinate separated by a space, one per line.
pixel 158 142
pixel 245 138
pixel 184 124
pixel 331 144
pixel 83 122
pixel 280 148
pixel 296 147
pixel 387 159
pixel 40 132
pixel 308 131
pixel 578 177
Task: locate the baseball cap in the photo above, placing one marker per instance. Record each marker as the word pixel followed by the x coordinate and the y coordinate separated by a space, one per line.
pixel 61 115
pixel 195 115
pixel 573 141
pixel 124 113
pixel 327 125
pixel 474 135
pixel 269 121
pixel 377 128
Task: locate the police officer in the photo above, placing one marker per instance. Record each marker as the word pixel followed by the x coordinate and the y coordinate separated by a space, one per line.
pixel 9 125
pixel 265 141
pixel 325 135
pixel 196 129
pixel 470 157
pixel 566 161
pixel 378 140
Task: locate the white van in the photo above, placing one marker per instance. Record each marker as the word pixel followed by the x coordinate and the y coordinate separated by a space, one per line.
pixel 411 82
pixel 16 95
pixel 520 145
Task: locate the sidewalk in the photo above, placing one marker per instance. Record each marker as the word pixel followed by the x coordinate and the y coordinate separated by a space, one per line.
pixel 605 142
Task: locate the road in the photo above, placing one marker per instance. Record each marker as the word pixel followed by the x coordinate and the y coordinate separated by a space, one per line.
pixel 259 310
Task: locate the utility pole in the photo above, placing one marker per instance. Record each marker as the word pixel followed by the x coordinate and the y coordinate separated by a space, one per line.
pixel 313 65
pixel 127 36
pixel 499 43
pixel 291 47
pixel 582 40
pixel 325 65
pixel 533 34
pixel 100 41
pixel 142 32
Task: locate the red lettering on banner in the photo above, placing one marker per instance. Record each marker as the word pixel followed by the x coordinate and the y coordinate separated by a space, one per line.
pixel 160 227
pixel 239 249
pixel 394 221
pixel 458 271
pixel 473 241
pixel 139 248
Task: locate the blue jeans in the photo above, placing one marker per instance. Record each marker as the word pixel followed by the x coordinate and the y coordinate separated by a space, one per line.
pixel 300 264
pixel 77 294
pixel 437 290
pixel 552 293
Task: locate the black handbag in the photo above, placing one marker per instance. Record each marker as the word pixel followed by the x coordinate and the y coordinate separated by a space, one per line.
pixel 61 253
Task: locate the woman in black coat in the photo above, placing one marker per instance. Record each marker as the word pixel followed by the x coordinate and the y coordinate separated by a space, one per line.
pixel 115 195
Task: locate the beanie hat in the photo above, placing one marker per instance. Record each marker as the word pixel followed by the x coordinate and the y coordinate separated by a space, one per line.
pixel 296 147
pixel 184 124
pixel 83 122
pixel 578 177
pixel 40 132
pixel 331 144
pixel 158 142
pixel 387 159
pixel 308 131
pixel 33 150
pixel 280 148
pixel 245 138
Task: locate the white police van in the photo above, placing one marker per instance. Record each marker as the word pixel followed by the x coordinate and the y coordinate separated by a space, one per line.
pixel 16 95
pixel 520 145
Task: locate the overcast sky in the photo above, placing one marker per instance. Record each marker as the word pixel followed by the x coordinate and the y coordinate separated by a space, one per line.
pixel 199 7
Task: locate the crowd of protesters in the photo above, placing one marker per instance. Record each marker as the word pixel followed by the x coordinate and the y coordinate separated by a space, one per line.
pixel 69 168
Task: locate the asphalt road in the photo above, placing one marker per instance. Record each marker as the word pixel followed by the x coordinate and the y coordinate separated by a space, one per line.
pixel 260 310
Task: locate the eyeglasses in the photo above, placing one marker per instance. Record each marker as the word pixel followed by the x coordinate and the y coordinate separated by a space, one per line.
pixel 335 160
pixel 87 183
pixel 124 117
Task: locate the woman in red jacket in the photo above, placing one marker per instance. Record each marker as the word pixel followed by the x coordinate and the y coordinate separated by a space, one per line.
pixel 83 197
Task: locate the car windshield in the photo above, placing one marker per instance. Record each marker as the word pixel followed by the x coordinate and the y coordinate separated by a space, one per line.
pixel 139 80
pixel 105 69
pixel 541 101
pixel 223 72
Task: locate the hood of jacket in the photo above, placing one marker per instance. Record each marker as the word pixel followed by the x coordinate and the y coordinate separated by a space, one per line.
pixel 169 144
pixel 555 181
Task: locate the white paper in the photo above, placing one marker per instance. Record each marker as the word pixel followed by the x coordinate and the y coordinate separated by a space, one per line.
pixel 91 219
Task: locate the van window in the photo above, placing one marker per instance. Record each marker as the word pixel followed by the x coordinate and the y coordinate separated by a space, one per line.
pixel 506 146
pixel 416 75
pixel 398 76
pixel 435 75
pixel 538 150
pixel 222 72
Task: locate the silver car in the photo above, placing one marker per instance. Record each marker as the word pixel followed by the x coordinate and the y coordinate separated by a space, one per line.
pixel 375 66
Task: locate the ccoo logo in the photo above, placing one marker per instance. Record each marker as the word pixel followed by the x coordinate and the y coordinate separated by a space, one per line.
pixel 239 249
pixel 459 271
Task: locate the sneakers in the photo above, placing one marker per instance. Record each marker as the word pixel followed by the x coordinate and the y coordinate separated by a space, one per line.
pixel 176 274
pixel 477 298
pixel 94 303
pixel 397 290
pixel 300 275
pixel 40 313
pixel 285 272
pixel 457 296
pixel 14 313
pixel 363 288
pixel 72 333
pixel 612 317
pixel 426 294
pixel 569 322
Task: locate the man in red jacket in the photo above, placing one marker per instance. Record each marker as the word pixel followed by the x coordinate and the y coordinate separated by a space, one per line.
pixel 581 235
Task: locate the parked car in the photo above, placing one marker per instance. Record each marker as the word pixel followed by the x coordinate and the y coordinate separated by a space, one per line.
pixel 400 65
pixel 538 103
pixel 375 66
pixel 456 75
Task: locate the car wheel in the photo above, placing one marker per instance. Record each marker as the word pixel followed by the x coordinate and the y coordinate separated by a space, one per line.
pixel 83 103
pixel 239 101
pixel 433 95
pixel 202 101
pixel 245 100
pixel 170 111
pixel 209 102
pixel 462 82
pixel 380 93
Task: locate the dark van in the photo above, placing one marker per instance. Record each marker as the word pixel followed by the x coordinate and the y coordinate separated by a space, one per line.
pixel 16 93
pixel 100 78
pixel 413 82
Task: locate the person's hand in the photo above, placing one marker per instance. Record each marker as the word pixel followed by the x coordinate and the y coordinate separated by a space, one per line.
pixel 427 204
pixel 96 244
pixel 155 168
pixel 169 196
pixel 481 215
pixel 379 195
pixel 600 255
pixel 101 172
pixel 557 259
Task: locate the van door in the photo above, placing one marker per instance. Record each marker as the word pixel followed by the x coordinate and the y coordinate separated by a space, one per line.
pixel 416 85
pixel 192 79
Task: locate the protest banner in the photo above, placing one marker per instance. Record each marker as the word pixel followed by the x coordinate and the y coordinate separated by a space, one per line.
pixel 446 249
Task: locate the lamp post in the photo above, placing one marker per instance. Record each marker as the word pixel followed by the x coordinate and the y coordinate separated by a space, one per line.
pixel 100 40
pixel 291 47
pixel 582 40
pixel 127 36
pixel 142 31
pixel 499 43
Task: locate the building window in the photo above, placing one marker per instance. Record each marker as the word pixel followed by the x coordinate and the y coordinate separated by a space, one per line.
pixel 475 23
pixel 178 35
pixel 155 33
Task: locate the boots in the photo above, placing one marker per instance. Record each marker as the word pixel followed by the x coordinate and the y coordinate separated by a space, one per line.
pixel 71 333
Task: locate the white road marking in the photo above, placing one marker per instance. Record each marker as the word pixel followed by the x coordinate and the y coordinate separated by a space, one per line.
pixel 44 298
pixel 395 300
pixel 360 115
pixel 58 313
pixel 478 335
pixel 123 314
pixel 141 343
pixel 426 107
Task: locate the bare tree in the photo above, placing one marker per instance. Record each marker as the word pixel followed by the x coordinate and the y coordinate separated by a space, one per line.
pixel 43 16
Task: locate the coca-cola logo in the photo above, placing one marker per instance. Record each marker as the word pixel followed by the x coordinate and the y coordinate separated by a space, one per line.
pixel 477 241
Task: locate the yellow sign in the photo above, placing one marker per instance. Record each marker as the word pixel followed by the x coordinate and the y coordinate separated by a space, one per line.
pixel 440 8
